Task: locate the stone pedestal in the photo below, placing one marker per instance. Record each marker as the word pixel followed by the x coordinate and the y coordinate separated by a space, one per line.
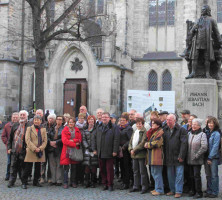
pixel 201 97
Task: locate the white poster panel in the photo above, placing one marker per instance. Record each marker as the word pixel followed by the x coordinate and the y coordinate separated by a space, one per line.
pixel 145 102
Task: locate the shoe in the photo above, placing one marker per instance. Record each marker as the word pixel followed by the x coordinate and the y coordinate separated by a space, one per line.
pixel 24 186
pixel 74 185
pixel 42 180
pixel 177 195
pixel 87 185
pixel 10 184
pixel 197 196
pixel 124 187
pixel 49 180
pixel 93 185
pixel 51 184
pixel 143 191
pixel 120 180
pixel 212 196
pixel 170 193
pixel 191 194
pixel 134 190
pixel 65 186
pixel 110 188
pixel 29 179
pixel 37 184
pixel 152 191
pixel 157 193
pixel 206 194
pixel 6 178
pixel 105 187
pixel 58 184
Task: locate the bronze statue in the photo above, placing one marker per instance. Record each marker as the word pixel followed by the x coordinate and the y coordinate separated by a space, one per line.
pixel 203 52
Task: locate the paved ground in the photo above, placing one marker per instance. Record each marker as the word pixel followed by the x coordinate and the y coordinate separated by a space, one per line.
pixel 53 192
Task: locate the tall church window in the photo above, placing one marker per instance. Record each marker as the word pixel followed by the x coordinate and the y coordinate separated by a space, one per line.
pixel 161 12
pixel 152 81
pixel 91 7
pixel 166 81
pixel 219 11
pixel 100 5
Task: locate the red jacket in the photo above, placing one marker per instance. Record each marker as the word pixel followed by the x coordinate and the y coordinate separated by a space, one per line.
pixel 66 136
pixel 6 133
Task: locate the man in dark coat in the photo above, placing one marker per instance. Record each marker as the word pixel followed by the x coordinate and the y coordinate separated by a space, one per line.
pixel 202 45
pixel 17 148
pixel 175 149
pixel 106 146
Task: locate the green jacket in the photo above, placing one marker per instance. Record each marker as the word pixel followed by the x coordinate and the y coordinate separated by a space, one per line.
pixel 140 151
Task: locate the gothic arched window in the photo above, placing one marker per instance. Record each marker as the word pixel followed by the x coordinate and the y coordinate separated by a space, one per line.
pixel 166 81
pixel 152 81
pixel 161 12
pixel 219 11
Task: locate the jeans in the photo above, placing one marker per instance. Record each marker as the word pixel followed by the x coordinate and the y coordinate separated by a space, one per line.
pixel 212 177
pixel 156 171
pixel 175 178
pixel 8 165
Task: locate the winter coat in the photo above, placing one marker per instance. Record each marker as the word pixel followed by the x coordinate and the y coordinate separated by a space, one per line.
pixel 6 133
pixel 175 145
pixel 125 136
pixel 197 146
pixel 87 141
pixel 214 145
pixel 11 144
pixel 106 140
pixel 31 139
pixel 51 136
pixel 139 150
pixel 155 148
pixel 66 136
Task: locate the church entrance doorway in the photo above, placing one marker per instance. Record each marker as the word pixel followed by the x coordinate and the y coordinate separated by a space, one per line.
pixel 75 95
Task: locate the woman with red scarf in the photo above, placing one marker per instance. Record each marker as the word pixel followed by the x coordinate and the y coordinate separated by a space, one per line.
pixel 71 138
pixel 126 132
pixel 155 155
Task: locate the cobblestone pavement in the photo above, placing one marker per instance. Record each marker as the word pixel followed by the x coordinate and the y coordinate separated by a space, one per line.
pixel 54 192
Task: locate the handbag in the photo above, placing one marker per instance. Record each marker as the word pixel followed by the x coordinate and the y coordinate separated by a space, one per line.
pixel 76 154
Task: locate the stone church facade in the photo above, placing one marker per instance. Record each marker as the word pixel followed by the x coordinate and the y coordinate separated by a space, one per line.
pixel 141 54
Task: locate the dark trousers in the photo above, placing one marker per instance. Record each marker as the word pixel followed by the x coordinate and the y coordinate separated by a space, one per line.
pixel 187 181
pixel 151 181
pixel 90 170
pixel 28 167
pixel 126 167
pixel 80 173
pixel 195 178
pixel 165 179
pixel 73 174
pixel 118 167
pixel 107 171
pixel 8 166
pixel 17 166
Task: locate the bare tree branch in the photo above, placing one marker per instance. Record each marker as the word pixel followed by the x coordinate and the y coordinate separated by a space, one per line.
pixel 44 6
pixel 61 18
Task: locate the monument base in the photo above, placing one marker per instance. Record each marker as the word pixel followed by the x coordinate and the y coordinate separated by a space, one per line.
pixel 201 97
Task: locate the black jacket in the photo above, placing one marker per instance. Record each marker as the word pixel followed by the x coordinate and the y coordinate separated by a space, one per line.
pixel 125 136
pixel 11 140
pixel 87 140
pixel 106 141
pixel 175 145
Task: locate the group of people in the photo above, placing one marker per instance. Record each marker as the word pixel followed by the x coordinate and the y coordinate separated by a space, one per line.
pixel 160 156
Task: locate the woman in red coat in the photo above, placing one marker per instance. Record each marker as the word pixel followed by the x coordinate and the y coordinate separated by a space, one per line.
pixel 71 138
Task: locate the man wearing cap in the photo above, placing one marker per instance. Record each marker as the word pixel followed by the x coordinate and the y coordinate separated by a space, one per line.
pixel 163 117
pixel 185 114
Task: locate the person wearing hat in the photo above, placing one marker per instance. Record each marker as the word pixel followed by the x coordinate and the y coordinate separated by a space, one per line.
pixel 113 118
pixel 154 145
pixel 185 114
pixel 163 117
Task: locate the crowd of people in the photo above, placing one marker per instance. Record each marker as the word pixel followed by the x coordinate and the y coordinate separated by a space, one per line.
pixel 160 156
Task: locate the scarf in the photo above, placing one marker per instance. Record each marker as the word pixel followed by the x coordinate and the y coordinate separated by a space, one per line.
pixel 136 137
pixel 121 127
pixel 79 125
pixel 150 132
pixel 196 132
pixel 19 137
pixel 90 127
pixel 39 154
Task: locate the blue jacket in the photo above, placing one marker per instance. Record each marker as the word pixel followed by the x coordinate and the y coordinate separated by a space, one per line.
pixel 214 144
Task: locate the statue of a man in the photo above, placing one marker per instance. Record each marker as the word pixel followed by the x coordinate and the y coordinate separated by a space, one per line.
pixel 203 32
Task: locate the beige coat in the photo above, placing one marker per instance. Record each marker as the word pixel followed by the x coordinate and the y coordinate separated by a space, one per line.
pixel 31 139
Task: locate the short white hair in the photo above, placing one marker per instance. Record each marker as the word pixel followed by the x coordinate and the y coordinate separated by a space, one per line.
pixel 173 115
pixel 53 116
pixel 24 111
pixel 199 121
pixel 39 110
pixel 99 109
pixel 15 113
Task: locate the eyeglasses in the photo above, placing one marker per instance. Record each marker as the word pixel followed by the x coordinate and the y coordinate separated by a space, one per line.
pixel 58 119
